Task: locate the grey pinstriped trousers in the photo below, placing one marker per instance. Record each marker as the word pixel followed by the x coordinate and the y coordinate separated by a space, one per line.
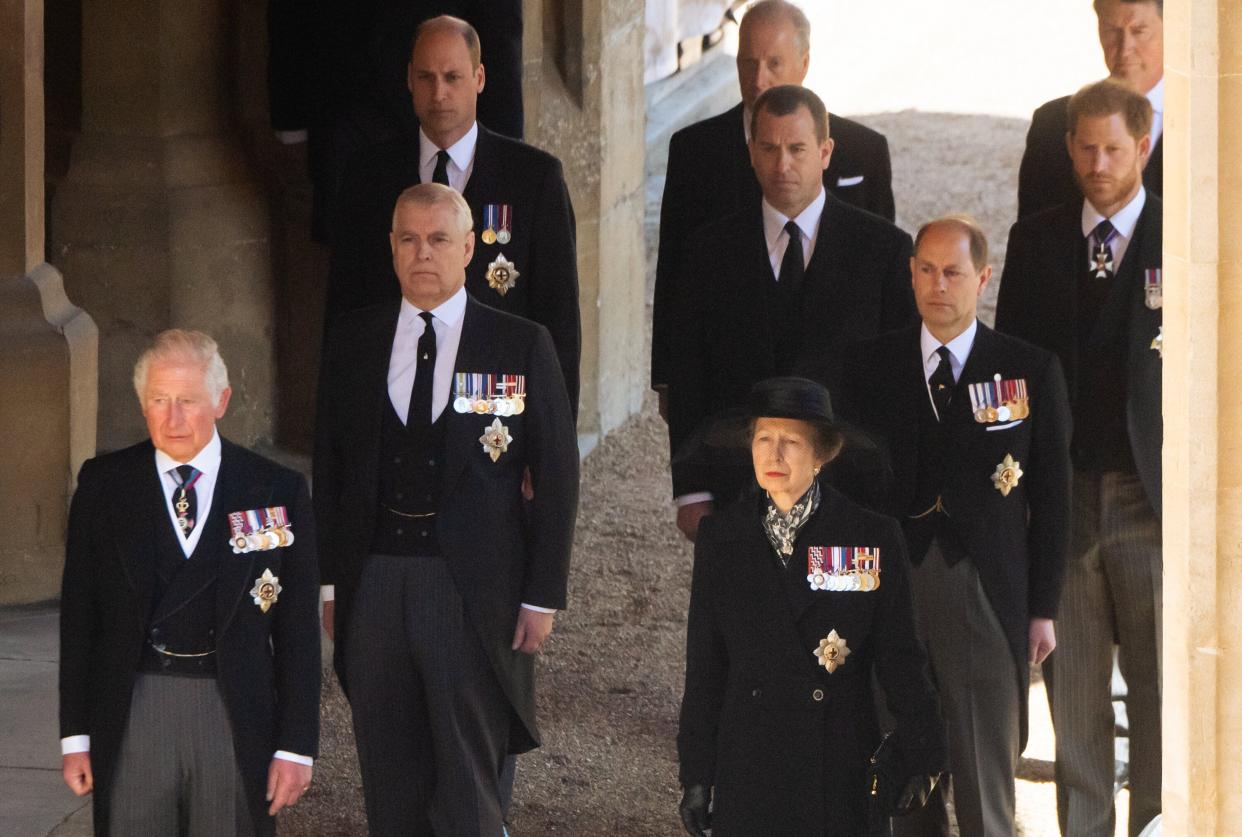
pixel 1113 589
pixel 176 773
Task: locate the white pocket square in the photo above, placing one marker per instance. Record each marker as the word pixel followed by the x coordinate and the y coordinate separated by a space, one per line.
pixel 850 181
pixel 992 427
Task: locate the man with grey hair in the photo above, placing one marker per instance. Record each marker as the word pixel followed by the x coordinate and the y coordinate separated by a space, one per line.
pixel 446 485
pixel 709 173
pixel 189 643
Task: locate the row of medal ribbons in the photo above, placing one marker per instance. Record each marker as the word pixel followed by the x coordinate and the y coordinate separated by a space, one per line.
pixel 260 529
pixel 489 394
pixel 843 568
pixel 999 400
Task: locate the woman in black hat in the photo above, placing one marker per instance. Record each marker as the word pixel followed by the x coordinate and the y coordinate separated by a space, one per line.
pixel 798 594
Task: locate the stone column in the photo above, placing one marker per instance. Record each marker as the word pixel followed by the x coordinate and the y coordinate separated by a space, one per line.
pixel 587 101
pixel 1203 418
pixel 159 221
pixel 47 346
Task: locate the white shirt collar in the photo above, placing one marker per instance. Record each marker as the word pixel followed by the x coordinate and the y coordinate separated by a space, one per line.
pixel 206 460
pixel 460 152
pixel 1123 220
pixel 959 348
pixel 1156 96
pixel 808 220
pixel 746 114
pixel 450 311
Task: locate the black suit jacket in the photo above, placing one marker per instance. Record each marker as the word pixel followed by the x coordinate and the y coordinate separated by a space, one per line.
pixel 542 248
pixel 783 761
pixel 267 663
pixel 857 285
pixel 339 71
pixel 1038 302
pixel 1018 543
pixel 501 550
pixel 709 176
pixel 1046 175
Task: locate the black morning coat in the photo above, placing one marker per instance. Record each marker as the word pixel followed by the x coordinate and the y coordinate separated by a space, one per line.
pixel 1018 543
pixel 501 550
pixel 857 285
pixel 542 247
pixel 1046 175
pixel 268 664
pixel 784 744
pixel 710 176
pixel 1038 302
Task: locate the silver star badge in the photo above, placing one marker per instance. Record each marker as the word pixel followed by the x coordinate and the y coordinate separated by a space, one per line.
pixel 495 439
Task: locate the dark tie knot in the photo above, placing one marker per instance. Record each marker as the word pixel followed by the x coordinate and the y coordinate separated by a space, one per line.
pixel 185 473
pixel 427 318
pixel 795 232
pixel 440 174
pixel 1104 232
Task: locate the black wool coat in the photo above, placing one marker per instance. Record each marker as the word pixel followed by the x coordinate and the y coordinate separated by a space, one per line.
pixel 784 744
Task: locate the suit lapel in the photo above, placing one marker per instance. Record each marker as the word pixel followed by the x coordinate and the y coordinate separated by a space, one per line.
pixel 483 172
pixel 759 577
pixel 471 351
pixel 136 531
pixel 236 573
pixel 373 397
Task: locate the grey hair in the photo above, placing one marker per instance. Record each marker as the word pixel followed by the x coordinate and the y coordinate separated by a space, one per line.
pixel 192 348
pixel 435 194
pixel 767 11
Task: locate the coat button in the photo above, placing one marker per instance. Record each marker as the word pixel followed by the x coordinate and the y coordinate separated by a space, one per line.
pixel 400 531
pixel 400 495
pixel 817 695
pixel 757 693
pixel 396 460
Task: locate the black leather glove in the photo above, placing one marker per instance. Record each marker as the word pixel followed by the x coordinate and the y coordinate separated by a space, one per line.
pixel 914 794
pixel 693 809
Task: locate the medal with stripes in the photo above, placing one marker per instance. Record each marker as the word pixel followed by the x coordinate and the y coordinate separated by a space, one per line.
pixel 867 567
pixel 815 574
pixel 1153 289
pixel 505 232
pixel 489 224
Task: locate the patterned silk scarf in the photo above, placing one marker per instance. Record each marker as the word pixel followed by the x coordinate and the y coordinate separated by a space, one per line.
pixel 782 529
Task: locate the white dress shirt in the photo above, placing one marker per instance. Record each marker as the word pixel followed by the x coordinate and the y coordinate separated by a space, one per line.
pixel 446 319
pixel 777 237
pixel 1124 221
pixel 207 461
pixel 1156 97
pixel 959 350
pixel 461 158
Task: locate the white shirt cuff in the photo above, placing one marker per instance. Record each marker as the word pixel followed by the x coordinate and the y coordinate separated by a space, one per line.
pixel 327 592
pixel 75 744
pixel 294 757
pixel 694 497
pixel 538 609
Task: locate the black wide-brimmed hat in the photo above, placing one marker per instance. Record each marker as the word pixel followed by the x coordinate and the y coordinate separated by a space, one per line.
pixel 788 398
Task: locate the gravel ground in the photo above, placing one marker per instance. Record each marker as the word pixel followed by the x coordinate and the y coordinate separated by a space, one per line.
pixel 610 677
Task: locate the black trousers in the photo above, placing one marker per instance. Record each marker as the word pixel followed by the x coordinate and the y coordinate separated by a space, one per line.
pixel 430 718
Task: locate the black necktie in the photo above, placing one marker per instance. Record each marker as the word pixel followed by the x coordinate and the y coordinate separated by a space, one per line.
pixel 419 417
pixel 440 175
pixel 792 267
pixel 1101 250
pixel 941 383
pixel 185 498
